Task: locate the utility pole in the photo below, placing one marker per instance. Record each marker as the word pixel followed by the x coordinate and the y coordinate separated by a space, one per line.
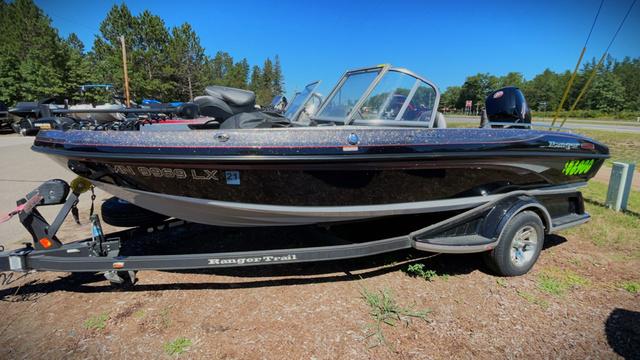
pixel 126 73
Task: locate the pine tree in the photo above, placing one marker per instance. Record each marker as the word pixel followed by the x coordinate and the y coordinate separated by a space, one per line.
pixel 256 76
pixel 278 79
pixel 187 62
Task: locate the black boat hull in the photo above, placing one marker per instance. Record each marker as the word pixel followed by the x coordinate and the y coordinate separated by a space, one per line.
pixel 326 180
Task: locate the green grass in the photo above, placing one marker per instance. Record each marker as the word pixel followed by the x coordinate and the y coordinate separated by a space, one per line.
pixel 529 297
pixel 384 309
pixel 613 231
pixel 177 346
pixel 418 270
pixel 631 286
pixel 98 322
pixel 597 191
pixel 558 281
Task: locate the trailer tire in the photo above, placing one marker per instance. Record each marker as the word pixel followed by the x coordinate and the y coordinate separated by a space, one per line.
pixel 117 212
pixel 519 246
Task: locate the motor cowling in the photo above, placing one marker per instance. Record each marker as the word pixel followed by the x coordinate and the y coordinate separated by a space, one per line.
pixel 508 105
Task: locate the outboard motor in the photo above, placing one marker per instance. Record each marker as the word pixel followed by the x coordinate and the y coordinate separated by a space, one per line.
pixel 508 105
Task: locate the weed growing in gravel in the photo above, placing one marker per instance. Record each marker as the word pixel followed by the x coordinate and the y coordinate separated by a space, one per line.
pixel 631 286
pixel 385 310
pixel 557 282
pixel 502 282
pixel 138 314
pixel 164 317
pixel 417 270
pixel 177 346
pixel 98 322
pixel 533 299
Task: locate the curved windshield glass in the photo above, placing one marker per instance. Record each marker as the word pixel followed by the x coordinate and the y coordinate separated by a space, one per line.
pixel 348 94
pixel 299 100
pixel 381 96
pixel 399 96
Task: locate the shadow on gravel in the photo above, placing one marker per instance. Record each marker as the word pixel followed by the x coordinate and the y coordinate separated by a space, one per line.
pixel 274 275
pixel 623 333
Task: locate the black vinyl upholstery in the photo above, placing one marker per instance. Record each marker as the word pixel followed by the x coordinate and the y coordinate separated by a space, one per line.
pixel 232 96
pixel 222 102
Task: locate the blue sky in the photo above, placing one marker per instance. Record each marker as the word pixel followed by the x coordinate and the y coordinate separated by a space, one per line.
pixel 441 40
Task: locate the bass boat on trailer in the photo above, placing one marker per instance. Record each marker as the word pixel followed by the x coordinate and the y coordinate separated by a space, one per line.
pixel 376 147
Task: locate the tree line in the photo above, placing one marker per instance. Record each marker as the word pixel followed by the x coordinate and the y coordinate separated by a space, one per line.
pixel 615 90
pixel 168 64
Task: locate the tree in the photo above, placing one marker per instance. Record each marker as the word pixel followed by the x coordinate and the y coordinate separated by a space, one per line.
pixel 450 97
pixel 32 55
pixel 265 91
pixel 628 73
pixel 278 79
pixel 606 93
pixel 476 88
pixel 256 76
pixel 238 75
pixel 187 62
pixel 511 79
pixel 544 91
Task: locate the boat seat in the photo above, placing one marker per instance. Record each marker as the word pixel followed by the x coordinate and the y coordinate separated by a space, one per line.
pixel 222 102
pixel 232 96
pixel 439 122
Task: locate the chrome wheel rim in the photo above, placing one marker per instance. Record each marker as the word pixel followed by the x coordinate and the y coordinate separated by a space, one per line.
pixel 524 246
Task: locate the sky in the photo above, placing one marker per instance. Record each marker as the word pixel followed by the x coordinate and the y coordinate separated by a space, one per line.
pixel 444 41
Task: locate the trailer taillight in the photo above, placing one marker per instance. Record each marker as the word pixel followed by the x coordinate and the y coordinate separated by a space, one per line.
pixel 45 242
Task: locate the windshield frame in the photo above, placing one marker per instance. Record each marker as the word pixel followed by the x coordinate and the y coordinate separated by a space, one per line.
pixel 296 114
pixel 384 69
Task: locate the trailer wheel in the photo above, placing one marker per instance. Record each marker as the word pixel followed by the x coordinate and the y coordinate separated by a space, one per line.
pixel 519 246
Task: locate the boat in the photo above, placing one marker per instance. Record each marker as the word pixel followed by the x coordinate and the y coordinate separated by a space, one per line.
pixel 376 147
pixel 109 111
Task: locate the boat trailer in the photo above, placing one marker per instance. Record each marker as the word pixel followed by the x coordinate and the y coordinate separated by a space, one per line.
pixel 480 229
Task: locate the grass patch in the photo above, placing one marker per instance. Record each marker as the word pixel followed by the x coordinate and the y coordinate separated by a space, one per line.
pixel 177 346
pixel 533 299
pixel 384 309
pixel 631 286
pixel 165 318
pixel 597 191
pixel 98 322
pixel 557 282
pixel 613 231
pixel 418 270
pixel 138 314
pixel 502 282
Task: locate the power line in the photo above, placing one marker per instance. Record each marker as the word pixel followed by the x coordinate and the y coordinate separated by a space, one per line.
pixel 593 25
pixel 620 27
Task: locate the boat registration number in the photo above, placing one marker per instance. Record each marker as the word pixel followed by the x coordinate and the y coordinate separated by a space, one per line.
pixel 231 177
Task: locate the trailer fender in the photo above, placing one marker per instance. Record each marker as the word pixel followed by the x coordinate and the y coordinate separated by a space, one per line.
pixel 504 211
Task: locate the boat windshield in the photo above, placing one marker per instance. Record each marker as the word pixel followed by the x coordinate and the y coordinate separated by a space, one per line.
pixel 381 96
pixel 298 104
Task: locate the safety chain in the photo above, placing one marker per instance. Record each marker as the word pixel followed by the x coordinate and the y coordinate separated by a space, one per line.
pixel 93 198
